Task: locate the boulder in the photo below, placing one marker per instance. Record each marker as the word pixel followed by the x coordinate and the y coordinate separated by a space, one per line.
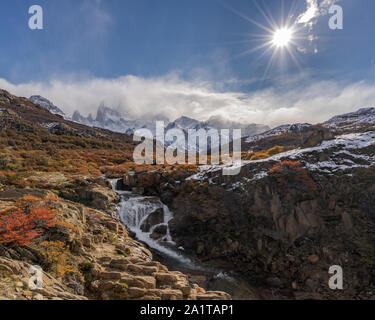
pixel 159 232
pixel 155 218
pixel 165 278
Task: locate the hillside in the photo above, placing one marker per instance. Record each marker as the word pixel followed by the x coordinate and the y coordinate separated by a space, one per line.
pixel 57 211
pixel 303 202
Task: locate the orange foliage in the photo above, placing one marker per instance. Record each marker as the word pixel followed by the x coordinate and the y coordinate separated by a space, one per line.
pixel 285 166
pixel 29 197
pixel 259 155
pixel 20 228
pixel 264 154
pixel 52 197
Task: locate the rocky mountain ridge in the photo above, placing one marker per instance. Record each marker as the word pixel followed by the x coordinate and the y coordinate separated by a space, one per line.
pixel 116 121
pixel 46 104
pixel 352 120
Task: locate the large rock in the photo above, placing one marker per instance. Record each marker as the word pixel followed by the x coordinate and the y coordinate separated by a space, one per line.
pixel 155 218
pixel 97 195
pixel 287 226
pixel 104 263
pixel 159 232
pixel 17 289
pixel 148 182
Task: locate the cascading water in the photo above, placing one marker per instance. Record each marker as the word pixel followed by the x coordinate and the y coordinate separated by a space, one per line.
pixel 134 210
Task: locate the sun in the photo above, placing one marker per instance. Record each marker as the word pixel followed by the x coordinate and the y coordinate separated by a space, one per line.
pixel 282 37
pixel 279 41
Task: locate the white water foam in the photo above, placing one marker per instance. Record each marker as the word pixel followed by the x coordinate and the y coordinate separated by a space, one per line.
pixel 134 210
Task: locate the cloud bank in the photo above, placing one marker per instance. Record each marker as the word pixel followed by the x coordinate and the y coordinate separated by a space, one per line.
pixel 171 97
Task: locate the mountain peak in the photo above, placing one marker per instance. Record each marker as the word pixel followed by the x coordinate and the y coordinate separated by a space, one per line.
pixel 105 113
pixel 348 120
pixel 186 122
pixel 46 104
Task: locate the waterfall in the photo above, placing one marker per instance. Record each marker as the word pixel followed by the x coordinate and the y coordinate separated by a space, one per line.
pixel 134 210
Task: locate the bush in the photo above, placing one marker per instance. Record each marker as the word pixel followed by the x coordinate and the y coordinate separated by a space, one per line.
pixel 292 172
pixel 275 150
pixel 19 228
pixel 58 258
pixel 285 166
pixel 264 154
pixel 259 155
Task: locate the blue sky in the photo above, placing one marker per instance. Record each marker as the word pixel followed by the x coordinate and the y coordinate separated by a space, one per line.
pixel 189 48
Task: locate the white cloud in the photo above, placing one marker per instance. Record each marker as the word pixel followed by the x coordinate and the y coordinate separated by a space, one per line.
pixel 171 97
pixel 311 12
pixel 314 9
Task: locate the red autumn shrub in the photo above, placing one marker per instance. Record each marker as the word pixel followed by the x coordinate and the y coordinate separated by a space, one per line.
pixel 285 166
pixel 19 228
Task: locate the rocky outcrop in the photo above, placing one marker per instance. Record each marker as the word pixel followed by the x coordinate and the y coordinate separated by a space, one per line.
pixel 97 259
pixel 159 232
pixel 96 194
pixel 141 182
pixel 160 182
pixel 14 284
pixel 155 218
pixel 283 232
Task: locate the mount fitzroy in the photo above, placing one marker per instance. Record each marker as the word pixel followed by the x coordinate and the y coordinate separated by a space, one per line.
pixel 114 120
pixel 304 201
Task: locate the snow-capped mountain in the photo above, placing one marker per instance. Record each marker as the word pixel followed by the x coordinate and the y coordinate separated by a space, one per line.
pixel 292 128
pixel 216 123
pixel 117 121
pixel 77 117
pixel 113 120
pixel 45 103
pixel 184 123
pixel 352 119
pixel 246 128
pixel 343 123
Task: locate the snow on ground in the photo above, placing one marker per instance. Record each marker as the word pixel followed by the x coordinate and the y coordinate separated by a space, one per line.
pixel 350 120
pixel 299 127
pixel 346 157
pixel 46 104
pixel 50 125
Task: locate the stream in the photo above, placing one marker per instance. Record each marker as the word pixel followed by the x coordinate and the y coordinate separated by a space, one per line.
pixel 137 211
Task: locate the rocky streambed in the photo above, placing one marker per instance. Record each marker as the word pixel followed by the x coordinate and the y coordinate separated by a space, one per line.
pixel 147 218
